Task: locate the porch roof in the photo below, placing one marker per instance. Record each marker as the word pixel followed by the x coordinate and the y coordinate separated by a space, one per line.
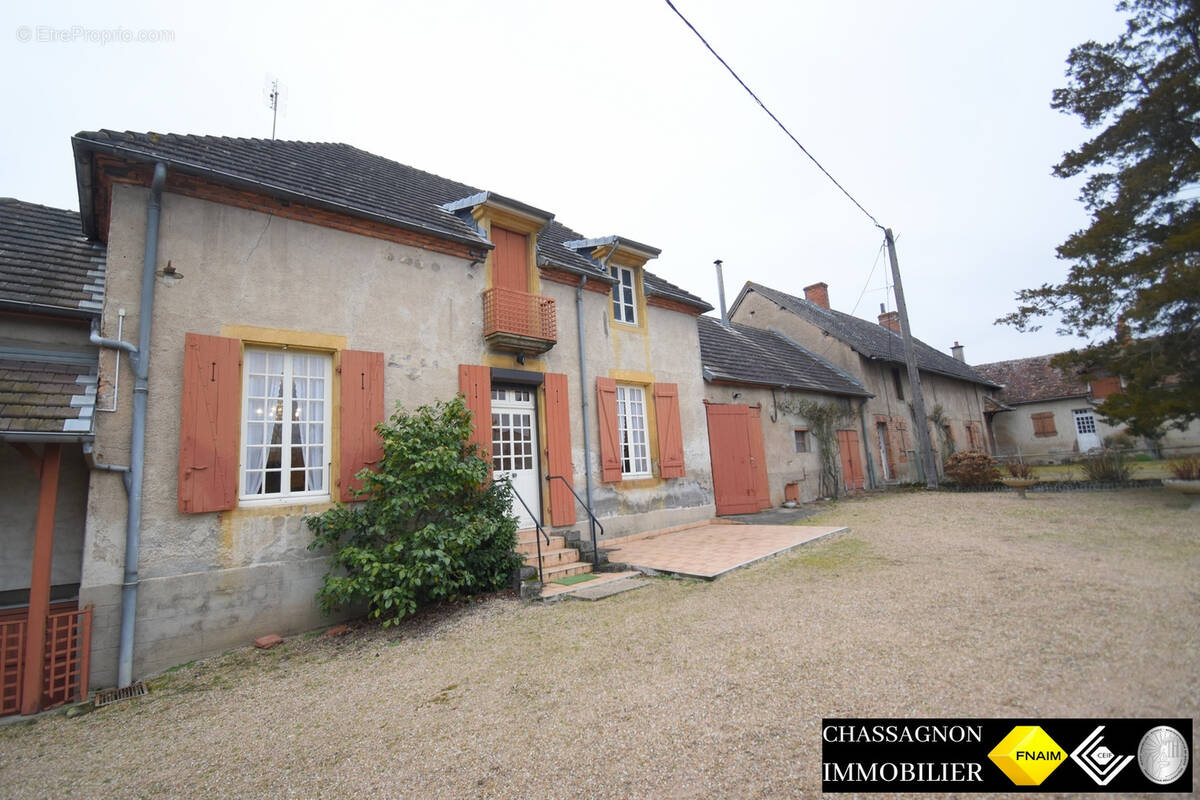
pixel 47 396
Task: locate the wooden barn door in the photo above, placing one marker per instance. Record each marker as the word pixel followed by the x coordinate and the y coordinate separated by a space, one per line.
pixel 852 466
pixel 736 449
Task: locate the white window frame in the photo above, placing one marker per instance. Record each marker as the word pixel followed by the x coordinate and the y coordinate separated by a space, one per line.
pixel 285 495
pixel 635 456
pixel 624 311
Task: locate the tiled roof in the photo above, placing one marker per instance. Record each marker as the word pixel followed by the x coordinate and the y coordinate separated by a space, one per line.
pixel 46 264
pixel 47 393
pixel 743 354
pixel 1032 380
pixel 869 339
pixel 340 177
pixel 655 285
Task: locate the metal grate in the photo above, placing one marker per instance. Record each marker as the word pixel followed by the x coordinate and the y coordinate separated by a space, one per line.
pixel 107 696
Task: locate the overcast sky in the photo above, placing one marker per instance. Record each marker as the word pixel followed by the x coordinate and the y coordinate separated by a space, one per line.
pixel 613 116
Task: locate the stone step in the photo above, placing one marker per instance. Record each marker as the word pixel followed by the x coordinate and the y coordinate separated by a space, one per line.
pixel 550 558
pixel 565 570
pixel 525 547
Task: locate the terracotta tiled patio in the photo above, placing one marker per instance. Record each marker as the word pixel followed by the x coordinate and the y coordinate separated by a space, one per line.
pixel 710 550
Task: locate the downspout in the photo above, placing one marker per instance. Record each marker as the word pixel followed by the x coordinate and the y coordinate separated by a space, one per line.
pixel 139 360
pixel 583 394
pixel 862 419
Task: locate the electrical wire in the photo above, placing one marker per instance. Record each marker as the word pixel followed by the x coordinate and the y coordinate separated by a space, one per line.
pixel 871 275
pixel 770 114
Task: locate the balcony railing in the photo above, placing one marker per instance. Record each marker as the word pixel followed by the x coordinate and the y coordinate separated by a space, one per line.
pixel 519 321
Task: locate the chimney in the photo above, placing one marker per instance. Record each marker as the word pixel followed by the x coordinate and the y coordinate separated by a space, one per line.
pixel 890 320
pixel 957 352
pixel 721 292
pixel 817 294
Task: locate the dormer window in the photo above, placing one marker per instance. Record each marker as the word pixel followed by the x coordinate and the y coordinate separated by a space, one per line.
pixel 623 294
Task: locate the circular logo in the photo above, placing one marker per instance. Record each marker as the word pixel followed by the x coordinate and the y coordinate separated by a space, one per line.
pixel 1163 754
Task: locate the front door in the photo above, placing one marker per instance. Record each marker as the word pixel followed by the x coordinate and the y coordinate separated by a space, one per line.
pixel 514 448
pixel 1085 430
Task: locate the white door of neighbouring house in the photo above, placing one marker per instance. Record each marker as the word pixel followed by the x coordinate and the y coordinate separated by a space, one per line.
pixel 514 448
pixel 1085 429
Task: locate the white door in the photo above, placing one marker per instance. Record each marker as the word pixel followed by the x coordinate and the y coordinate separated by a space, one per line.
pixel 1085 430
pixel 514 448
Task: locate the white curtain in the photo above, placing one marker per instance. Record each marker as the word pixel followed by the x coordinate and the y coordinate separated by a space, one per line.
pixel 259 436
pixel 309 425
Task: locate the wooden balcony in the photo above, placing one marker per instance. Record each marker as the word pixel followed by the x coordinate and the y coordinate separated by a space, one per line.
pixel 518 321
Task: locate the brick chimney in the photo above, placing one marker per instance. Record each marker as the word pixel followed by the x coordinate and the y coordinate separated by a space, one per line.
pixel 957 352
pixel 818 294
pixel 890 320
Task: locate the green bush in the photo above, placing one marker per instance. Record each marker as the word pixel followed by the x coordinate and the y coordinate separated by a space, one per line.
pixel 1109 465
pixel 972 468
pixel 429 525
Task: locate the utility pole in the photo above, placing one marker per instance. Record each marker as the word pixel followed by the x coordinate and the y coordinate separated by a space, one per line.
pixel 914 375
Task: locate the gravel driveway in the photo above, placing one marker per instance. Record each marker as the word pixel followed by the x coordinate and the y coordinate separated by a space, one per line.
pixel 1082 604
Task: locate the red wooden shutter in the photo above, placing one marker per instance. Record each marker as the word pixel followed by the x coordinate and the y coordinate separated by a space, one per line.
pixel 610 435
pixel 475 382
pixel 209 423
pixel 670 434
pixel 362 409
pixel 558 449
pixel 510 260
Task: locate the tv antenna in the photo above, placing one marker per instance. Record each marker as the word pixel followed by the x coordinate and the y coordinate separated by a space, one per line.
pixel 275 98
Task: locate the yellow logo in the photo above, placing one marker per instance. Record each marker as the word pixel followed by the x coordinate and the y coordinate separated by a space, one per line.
pixel 1027 755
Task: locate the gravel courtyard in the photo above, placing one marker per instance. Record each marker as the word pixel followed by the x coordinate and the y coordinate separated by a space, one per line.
pixel 1079 604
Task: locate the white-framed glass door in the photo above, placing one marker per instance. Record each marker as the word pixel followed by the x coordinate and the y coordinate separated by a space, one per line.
pixel 515 447
pixel 1085 429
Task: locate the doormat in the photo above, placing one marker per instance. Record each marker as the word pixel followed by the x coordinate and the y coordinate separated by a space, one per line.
pixel 107 696
pixel 571 580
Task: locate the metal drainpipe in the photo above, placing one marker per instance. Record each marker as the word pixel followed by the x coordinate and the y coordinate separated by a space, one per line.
pixel 140 361
pixel 862 419
pixel 583 394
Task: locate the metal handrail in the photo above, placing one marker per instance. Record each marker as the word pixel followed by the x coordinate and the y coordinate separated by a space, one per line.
pixel 536 523
pixel 593 522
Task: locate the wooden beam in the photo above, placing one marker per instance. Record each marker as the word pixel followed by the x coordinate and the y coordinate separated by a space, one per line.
pixel 39 582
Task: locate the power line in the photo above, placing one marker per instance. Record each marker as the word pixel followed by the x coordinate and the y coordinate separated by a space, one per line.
pixel 763 105
pixel 861 294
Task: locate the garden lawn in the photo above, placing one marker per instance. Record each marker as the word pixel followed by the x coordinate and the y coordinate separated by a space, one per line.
pixel 1078 604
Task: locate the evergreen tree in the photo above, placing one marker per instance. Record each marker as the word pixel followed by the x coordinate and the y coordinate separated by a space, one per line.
pixel 1136 267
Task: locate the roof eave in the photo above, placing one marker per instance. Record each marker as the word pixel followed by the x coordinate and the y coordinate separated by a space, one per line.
pixel 47 310
pixel 83 164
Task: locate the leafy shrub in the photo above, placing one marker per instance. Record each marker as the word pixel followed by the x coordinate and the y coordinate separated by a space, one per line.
pixel 1185 469
pixel 1110 465
pixel 972 468
pixel 429 525
pixel 1019 469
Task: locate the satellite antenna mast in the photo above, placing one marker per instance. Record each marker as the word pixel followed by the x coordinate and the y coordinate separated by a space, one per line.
pixel 274 97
